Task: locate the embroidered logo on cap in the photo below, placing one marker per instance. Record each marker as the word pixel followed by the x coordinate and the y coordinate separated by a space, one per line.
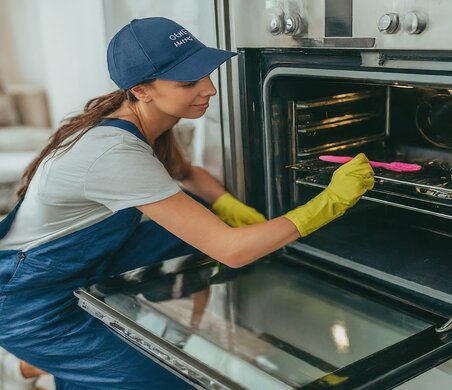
pixel 180 37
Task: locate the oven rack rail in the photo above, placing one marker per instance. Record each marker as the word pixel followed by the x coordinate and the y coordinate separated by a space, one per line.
pixel 428 191
pixel 331 123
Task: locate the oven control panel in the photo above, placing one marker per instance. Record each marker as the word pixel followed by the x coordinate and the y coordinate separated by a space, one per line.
pixel 413 23
pixel 389 23
pixel 405 25
pixel 361 24
pixel 285 19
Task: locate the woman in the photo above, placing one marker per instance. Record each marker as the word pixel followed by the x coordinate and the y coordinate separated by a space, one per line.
pixel 78 218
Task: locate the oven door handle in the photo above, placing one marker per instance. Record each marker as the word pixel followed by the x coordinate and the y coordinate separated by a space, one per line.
pixel 445 328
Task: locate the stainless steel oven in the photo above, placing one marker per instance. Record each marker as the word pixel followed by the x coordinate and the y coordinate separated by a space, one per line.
pixel 365 302
pixel 385 91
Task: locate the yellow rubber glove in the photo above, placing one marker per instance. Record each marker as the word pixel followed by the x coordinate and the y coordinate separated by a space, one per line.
pixel 348 184
pixel 236 213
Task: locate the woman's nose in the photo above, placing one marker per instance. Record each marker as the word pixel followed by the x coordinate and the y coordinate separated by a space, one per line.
pixel 207 87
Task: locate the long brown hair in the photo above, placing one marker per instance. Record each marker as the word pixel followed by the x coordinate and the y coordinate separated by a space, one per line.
pixel 166 146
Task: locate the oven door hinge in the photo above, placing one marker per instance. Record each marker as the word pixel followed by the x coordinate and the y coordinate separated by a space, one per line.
pixel 445 328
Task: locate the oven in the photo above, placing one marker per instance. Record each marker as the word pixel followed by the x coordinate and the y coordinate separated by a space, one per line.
pixel 366 301
pixel 376 92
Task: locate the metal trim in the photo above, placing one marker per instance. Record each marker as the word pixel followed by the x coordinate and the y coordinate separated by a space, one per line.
pixel 336 42
pixel 159 350
pixel 388 367
pixel 387 202
pixel 447 327
pixel 380 275
pixel 230 105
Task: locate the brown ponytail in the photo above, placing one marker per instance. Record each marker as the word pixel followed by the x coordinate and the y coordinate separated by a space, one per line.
pixel 170 153
pixel 166 146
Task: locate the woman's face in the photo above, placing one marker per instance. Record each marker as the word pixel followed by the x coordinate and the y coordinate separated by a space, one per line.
pixel 181 99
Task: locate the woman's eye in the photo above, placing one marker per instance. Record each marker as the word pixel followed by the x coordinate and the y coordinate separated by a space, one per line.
pixel 191 84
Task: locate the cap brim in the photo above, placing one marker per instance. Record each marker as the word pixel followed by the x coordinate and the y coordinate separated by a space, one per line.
pixel 198 65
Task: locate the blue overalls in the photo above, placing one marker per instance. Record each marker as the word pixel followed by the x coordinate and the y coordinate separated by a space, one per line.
pixel 40 321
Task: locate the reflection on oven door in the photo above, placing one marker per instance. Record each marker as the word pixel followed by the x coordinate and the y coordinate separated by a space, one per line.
pixel 272 325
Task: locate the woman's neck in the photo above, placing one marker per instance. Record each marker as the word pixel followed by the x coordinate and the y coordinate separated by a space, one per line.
pixel 151 124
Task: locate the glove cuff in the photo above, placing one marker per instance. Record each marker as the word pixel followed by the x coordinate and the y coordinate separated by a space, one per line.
pixel 320 210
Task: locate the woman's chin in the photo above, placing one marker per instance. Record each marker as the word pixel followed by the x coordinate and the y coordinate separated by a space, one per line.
pixel 194 115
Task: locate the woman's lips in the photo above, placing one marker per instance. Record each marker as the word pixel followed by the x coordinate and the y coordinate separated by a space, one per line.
pixel 201 106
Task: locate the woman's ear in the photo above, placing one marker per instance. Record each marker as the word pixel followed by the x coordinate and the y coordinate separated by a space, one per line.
pixel 141 93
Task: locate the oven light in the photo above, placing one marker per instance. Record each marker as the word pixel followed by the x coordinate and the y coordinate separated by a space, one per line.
pixel 450 91
pixel 397 85
pixel 340 337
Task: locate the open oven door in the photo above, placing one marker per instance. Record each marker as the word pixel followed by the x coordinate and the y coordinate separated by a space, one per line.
pixel 271 325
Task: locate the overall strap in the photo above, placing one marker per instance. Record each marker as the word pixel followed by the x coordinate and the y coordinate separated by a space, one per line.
pixel 124 125
pixel 6 223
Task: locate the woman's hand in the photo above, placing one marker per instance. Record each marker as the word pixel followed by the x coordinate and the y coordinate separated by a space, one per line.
pixel 200 301
pixel 236 213
pixel 198 226
pixel 348 184
pixel 29 371
pixel 235 247
pixel 352 180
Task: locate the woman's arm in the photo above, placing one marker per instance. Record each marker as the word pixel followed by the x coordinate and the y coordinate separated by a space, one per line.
pixel 235 247
pixel 224 205
pixel 199 227
pixel 202 184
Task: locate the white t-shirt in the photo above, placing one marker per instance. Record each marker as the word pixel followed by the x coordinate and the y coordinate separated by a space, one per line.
pixel 12 378
pixel 107 170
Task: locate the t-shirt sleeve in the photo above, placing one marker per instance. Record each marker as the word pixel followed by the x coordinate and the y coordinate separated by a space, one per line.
pixel 128 175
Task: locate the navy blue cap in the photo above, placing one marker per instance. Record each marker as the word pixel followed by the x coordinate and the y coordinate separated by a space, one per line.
pixel 159 48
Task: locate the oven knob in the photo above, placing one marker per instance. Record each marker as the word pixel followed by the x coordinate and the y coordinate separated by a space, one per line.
pixel 294 24
pixel 275 23
pixel 414 23
pixel 388 23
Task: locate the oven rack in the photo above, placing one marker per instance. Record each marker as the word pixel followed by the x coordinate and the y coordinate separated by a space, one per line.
pixel 326 122
pixel 336 99
pixel 428 191
pixel 331 123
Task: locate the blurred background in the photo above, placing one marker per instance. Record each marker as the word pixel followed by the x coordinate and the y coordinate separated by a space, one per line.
pixel 52 61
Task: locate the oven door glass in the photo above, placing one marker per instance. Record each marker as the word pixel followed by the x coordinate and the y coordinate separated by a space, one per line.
pixel 436 378
pixel 272 325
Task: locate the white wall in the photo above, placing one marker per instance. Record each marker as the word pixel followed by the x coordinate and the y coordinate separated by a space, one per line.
pixel 21 56
pixel 74 46
pixel 58 45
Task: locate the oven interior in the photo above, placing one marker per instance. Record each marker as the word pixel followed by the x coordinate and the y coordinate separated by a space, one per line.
pixel 400 234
